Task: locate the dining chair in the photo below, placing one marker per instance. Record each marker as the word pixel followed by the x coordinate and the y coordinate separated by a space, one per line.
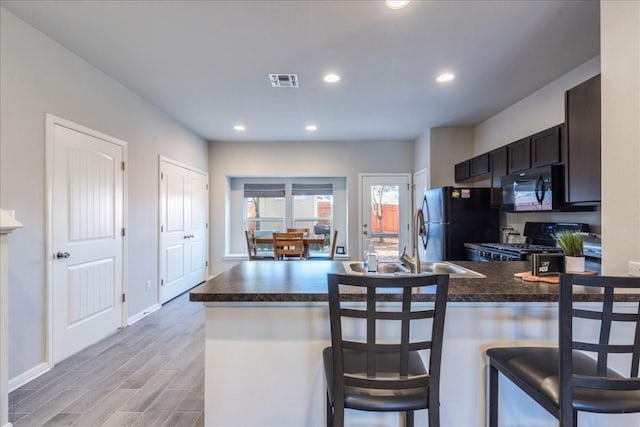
pixel 332 253
pixel 252 247
pixel 288 245
pixel 304 231
pixel 564 379
pixel 385 375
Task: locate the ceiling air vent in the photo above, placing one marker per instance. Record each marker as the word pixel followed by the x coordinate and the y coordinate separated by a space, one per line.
pixel 284 80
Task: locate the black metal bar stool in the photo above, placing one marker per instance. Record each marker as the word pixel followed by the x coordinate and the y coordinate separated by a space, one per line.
pixel 564 379
pixel 385 375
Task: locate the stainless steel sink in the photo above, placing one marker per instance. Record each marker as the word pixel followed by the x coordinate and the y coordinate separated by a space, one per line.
pixel 383 267
pixel 440 268
pixel 426 267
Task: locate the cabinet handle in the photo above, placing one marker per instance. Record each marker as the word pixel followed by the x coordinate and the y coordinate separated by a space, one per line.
pixel 63 255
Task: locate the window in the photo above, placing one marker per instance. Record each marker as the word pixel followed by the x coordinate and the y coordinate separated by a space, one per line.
pixel 264 207
pixel 268 204
pixel 312 208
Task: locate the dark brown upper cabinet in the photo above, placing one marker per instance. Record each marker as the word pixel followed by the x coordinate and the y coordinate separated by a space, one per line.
pixel 583 127
pixel 472 169
pixel 479 165
pixel 461 171
pixel 546 147
pixel 519 155
pixel 498 166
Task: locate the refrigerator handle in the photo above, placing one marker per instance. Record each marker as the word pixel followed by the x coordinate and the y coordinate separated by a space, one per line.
pixel 427 219
pixel 425 236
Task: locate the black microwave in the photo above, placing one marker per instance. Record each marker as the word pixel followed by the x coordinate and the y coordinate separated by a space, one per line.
pixel 533 190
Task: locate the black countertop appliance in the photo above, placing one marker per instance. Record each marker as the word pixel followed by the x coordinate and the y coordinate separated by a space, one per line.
pixel 454 216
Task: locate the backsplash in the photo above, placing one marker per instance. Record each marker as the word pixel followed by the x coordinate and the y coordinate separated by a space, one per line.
pixel 517 220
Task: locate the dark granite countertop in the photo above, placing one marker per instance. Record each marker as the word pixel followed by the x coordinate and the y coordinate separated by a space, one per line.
pixel 306 281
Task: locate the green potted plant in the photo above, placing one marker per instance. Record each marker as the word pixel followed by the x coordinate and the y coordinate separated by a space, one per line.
pixel 572 246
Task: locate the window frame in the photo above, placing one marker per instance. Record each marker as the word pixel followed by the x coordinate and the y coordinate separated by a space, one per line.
pixel 236 209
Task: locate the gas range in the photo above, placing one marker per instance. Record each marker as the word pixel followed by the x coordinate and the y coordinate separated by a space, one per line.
pixel 510 251
pixel 539 239
pixel 522 248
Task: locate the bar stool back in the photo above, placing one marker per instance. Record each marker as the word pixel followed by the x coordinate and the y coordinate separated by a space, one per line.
pixel 564 379
pixel 375 374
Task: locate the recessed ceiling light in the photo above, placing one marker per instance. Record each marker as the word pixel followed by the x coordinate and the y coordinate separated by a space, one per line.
pixel 331 78
pixel 445 77
pixel 397 4
pixel 311 128
pixel 239 128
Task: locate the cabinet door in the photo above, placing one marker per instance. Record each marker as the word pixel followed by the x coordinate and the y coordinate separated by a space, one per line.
pixel 479 165
pixel 498 159
pixel 462 171
pixel 545 147
pixel 582 116
pixel 519 155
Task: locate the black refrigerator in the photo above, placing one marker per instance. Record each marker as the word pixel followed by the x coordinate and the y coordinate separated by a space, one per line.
pixel 453 217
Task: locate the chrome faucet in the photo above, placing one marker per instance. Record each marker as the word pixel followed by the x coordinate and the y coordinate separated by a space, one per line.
pixel 413 263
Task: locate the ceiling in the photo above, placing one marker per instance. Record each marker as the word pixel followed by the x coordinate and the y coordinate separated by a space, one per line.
pixel 206 63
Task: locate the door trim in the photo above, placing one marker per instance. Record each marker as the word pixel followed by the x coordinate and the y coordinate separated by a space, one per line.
pixel 161 159
pixel 50 122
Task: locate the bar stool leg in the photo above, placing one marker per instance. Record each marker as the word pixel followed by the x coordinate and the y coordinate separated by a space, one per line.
pixel 329 412
pixel 408 419
pixel 493 396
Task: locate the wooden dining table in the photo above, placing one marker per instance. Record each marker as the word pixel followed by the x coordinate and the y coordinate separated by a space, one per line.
pixel 310 239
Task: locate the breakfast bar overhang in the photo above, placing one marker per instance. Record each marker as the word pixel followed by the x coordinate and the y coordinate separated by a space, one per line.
pixel 267 323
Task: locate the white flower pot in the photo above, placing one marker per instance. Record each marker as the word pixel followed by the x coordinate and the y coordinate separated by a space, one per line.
pixel 574 264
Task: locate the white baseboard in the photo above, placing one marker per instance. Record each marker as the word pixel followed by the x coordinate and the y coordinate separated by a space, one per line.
pixel 144 313
pixel 25 377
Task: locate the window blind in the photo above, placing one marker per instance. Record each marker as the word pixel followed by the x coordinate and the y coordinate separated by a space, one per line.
pixel 311 189
pixel 264 190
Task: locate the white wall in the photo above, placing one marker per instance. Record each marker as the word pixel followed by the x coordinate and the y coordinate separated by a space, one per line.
pixel 39 76
pixel 448 146
pixel 421 149
pixel 438 149
pixel 538 111
pixel 620 50
pixel 306 158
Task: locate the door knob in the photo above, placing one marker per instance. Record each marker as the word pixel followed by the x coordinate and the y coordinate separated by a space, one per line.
pixel 63 255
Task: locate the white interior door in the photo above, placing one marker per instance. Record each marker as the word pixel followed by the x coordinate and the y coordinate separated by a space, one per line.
pixel 87 220
pixel 183 229
pixel 386 212
pixel 197 226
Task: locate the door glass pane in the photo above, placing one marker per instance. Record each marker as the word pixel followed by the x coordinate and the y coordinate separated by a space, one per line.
pixel 384 231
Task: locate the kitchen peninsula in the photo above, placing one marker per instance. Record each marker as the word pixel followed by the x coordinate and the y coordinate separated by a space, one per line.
pixel 267 322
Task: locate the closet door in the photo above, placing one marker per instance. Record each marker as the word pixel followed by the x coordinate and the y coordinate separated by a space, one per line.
pixel 183 229
pixel 86 178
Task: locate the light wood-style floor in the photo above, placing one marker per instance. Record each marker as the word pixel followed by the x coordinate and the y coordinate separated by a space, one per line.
pixel 150 374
